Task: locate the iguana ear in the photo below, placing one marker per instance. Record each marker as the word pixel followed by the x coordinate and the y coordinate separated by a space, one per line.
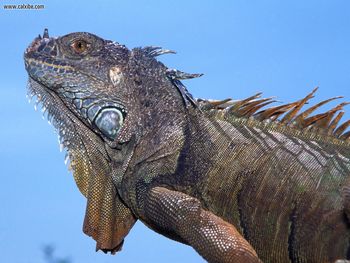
pixel 107 219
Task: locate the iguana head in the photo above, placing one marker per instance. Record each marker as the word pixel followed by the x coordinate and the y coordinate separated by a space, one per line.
pixel 82 69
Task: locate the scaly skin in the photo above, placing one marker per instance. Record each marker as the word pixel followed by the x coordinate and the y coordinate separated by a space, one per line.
pixel 235 189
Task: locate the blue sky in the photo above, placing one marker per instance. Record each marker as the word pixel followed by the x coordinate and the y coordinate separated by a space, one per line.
pixel 283 48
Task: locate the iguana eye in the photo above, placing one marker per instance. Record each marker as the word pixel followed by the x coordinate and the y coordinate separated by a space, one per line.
pixel 109 121
pixel 80 46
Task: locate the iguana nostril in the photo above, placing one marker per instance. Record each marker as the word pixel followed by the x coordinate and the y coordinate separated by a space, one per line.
pixel 34 45
pixel 41 47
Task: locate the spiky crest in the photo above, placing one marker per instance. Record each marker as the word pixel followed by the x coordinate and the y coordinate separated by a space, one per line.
pixel 155 51
pixel 283 116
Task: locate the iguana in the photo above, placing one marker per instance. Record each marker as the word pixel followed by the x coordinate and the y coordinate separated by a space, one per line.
pixel 238 180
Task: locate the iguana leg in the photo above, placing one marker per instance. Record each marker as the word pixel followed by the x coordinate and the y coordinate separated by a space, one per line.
pixel 212 237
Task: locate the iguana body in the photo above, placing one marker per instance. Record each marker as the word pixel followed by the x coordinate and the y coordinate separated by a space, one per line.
pixel 235 183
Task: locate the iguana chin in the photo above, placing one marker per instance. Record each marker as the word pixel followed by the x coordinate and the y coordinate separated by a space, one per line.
pixel 237 181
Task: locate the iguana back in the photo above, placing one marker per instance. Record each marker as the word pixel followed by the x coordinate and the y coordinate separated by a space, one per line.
pixel 286 193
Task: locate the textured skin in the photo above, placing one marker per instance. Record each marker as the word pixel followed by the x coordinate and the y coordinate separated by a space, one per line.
pixel 215 239
pixel 235 189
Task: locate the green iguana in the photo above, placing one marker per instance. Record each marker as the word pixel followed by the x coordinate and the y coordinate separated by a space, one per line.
pixel 236 180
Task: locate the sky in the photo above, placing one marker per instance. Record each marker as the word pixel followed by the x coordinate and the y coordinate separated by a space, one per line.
pixel 282 48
